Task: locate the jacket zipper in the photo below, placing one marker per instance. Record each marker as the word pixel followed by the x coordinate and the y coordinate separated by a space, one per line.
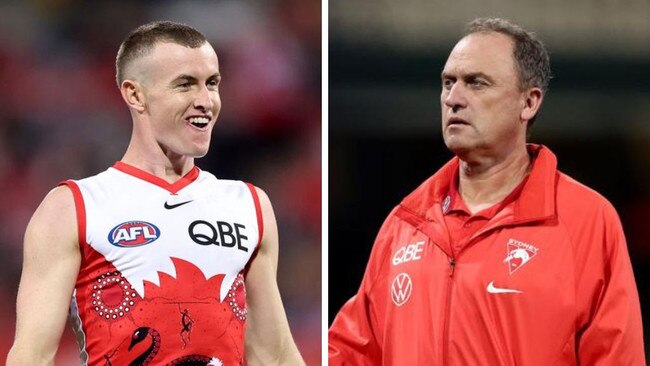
pixel 447 314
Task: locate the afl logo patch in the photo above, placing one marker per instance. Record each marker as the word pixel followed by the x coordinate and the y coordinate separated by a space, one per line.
pixel 133 234
pixel 401 289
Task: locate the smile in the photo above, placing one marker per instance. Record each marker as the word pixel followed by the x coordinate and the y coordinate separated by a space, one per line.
pixel 199 122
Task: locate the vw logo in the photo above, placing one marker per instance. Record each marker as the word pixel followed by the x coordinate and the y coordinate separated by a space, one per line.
pixel 401 289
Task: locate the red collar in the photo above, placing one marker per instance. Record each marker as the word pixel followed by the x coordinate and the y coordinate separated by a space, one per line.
pixel 536 200
pixel 456 202
pixel 181 183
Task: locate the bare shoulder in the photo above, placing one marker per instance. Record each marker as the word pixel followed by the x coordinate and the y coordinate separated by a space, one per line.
pixel 54 219
pixel 265 202
pixel 58 205
pixel 59 197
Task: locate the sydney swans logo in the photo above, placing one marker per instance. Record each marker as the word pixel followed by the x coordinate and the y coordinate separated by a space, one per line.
pixel 518 254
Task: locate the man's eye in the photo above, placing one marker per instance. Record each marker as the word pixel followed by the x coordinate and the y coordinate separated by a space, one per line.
pixel 477 82
pixel 447 83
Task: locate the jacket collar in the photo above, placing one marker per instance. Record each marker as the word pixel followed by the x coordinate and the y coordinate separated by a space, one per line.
pixel 536 200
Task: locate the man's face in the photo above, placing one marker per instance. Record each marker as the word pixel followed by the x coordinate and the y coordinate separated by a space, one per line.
pixel 181 89
pixel 481 100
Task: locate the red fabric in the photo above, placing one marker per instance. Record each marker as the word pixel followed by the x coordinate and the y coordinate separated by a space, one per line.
pixel 461 223
pixel 258 211
pixel 547 281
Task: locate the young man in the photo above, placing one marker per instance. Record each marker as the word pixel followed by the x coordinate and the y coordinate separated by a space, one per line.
pixel 498 258
pixel 165 264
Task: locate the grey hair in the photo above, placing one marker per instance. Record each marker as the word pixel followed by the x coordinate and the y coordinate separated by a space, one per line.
pixel 531 58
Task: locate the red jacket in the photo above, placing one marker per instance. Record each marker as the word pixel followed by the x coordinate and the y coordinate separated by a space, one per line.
pixel 547 281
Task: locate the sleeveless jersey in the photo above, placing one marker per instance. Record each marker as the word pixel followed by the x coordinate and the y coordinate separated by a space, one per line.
pixel 162 270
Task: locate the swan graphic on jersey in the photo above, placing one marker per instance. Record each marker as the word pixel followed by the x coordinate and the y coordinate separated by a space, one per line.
pixel 148 355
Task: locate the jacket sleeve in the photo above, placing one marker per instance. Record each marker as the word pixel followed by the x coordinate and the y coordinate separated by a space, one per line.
pixel 611 332
pixel 355 334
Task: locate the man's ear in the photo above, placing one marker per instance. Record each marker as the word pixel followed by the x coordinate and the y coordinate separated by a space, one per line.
pixel 133 95
pixel 532 101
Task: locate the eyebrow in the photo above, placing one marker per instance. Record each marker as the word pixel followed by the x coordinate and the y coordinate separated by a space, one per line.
pixel 471 75
pixel 191 78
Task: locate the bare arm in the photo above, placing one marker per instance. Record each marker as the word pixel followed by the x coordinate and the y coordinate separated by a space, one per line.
pixel 50 266
pixel 268 338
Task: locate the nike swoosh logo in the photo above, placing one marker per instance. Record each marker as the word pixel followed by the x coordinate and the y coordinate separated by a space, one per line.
pixel 169 207
pixel 496 290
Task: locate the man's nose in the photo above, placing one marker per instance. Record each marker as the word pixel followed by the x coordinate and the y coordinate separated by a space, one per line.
pixel 455 97
pixel 203 99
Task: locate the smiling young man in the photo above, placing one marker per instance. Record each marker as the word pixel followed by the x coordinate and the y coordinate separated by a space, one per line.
pixel 165 264
pixel 498 258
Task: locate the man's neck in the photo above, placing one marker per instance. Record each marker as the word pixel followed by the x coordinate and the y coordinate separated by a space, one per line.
pixel 484 182
pixel 169 168
pixel 146 154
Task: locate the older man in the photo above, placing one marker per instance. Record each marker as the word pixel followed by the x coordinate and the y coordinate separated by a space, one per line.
pixel 498 258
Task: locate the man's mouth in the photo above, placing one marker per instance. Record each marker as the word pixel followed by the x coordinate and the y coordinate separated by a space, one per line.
pixel 457 121
pixel 199 122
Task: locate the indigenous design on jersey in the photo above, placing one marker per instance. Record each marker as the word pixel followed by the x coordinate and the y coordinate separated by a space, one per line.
pixel 147 292
pixel 113 296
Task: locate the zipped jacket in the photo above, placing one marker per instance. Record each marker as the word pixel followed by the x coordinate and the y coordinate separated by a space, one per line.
pixel 547 281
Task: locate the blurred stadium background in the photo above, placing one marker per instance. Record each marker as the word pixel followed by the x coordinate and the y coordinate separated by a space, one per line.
pixel 384 113
pixel 61 117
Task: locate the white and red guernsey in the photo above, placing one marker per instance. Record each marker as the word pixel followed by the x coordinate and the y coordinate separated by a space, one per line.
pixel 162 267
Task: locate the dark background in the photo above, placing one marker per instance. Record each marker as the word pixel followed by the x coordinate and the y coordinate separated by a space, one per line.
pixel 384 113
pixel 62 117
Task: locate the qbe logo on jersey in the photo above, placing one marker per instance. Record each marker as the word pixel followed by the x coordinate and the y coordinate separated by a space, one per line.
pixel 400 290
pixel 133 234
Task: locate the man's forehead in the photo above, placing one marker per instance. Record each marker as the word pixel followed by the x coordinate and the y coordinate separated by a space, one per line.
pixel 166 52
pixel 481 50
pixel 167 61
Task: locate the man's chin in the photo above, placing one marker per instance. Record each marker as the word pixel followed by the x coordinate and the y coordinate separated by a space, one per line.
pixel 199 150
pixel 200 154
pixel 458 146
